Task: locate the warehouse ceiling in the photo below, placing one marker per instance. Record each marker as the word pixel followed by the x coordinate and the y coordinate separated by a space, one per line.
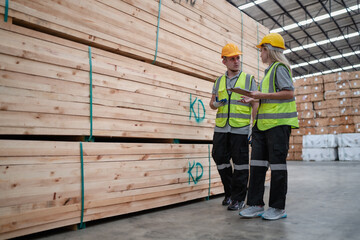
pixel 321 37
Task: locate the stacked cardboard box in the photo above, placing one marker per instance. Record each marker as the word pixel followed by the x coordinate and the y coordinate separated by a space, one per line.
pixel 328 104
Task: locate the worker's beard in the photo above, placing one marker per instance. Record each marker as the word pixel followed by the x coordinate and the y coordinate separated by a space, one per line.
pixel 234 70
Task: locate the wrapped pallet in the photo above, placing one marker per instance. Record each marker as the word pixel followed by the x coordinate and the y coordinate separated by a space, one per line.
pixel 319 147
pixel 349 147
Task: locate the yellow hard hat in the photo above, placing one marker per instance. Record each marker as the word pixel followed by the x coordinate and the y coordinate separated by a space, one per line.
pixel 274 39
pixel 230 50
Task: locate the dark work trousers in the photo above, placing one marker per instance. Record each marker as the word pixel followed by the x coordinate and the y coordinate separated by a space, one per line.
pixel 228 146
pixel 269 148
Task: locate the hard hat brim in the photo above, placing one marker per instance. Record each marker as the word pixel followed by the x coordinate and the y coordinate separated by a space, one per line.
pixel 233 54
pixel 261 45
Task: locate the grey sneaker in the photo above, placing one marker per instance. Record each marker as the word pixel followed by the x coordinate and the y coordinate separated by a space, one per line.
pixel 252 211
pixel 274 214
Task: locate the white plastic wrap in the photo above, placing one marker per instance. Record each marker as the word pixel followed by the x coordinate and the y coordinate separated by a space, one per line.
pixel 320 141
pixel 319 154
pixel 349 153
pixel 349 140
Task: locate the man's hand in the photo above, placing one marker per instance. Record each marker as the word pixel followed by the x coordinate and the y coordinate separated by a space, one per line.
pixel 220 103
pixel 246 99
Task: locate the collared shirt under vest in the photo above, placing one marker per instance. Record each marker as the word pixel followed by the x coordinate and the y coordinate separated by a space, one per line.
pixel 274 112
pixel 238 114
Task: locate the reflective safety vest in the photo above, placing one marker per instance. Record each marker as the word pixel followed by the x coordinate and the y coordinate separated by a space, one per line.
pixel 238 114
pixel 273 112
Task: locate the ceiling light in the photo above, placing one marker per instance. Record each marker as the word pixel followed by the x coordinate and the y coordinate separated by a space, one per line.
pixel 324 59
pixel 248 5
pixel 319 18
pixel 355 34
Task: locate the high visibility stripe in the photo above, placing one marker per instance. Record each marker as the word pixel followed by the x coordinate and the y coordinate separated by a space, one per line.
pixel 236 102
pixel 276 100
pixel 271 80
pixel 223 166
pixel 217 84
pixel 276 115
pixel 241 167
pixel 275 167
pixel 259 163
pixel 247 82
pixel 221 115
pixel 240 115
pixel 233 115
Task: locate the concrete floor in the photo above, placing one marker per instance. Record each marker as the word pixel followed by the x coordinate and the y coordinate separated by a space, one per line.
pixel 322 203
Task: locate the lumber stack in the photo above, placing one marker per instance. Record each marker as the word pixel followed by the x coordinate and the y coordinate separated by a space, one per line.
pixel 40 181
pixel 74 69
pixel 129 27
pixel 45 91
pixel 327 104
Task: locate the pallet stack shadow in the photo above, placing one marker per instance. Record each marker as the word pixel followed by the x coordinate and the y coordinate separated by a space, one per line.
pixel 327 105
pixel 73 69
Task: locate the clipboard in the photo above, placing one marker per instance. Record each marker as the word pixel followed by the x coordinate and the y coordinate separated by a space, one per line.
pixel 239 90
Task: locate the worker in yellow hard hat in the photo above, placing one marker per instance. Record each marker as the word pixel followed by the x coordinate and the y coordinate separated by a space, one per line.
pixel 276 117
pixel 232 128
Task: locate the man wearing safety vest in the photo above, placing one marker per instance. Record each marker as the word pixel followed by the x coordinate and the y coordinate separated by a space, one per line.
pixel 276 117
pixel 232 128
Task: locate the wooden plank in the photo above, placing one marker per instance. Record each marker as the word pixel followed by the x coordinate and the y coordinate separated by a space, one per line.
pixel 56 224
pixel 38 193
pixel 125 17
pixel 162 98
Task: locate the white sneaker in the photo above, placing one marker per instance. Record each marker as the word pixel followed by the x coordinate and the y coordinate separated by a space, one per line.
pixel 252 211
pixel 274 214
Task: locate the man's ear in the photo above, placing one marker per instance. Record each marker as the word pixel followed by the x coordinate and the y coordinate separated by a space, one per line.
pixel 223 60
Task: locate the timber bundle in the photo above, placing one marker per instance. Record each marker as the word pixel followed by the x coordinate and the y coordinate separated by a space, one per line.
pixel 136 79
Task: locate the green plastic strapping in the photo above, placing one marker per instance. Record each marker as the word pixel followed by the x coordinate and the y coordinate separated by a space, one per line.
pixel 257 37
pixel 6 10
pixel 208 197
pixel 91 99
pixel 242 40
pixel 157 33
pixel 82 224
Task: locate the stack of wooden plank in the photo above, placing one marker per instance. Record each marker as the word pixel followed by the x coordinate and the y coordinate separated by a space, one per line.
pixel 72 69
pixel 129 27
pixel 40 181
pixel 45 91
pixel 328 104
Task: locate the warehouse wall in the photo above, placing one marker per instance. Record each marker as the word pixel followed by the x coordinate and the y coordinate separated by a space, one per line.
pixel 92 124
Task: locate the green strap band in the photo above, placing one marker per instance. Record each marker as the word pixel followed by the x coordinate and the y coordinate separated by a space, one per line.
pixel 82 224
pixel 157 33
pixel 258 58
pixel 6 10
pixel 242 40
pixel 208 197
pixel 87 139
pixel 90 138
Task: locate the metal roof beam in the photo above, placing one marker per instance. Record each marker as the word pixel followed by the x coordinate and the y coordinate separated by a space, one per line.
pixel 322 30
pixel 300 57
pixel 308 52
pixel 337 25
